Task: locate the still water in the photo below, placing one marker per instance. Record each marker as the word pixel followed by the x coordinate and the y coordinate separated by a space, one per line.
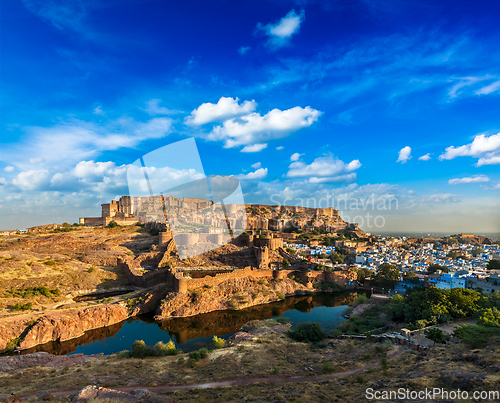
pixel 197 331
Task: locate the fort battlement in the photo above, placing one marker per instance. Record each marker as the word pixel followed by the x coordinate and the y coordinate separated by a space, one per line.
pixel 175 280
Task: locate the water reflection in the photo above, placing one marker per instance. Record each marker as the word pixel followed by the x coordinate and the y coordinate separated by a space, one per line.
pixel 195 332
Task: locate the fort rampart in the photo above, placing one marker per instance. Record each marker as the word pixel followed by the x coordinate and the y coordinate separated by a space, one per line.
pixel 175 279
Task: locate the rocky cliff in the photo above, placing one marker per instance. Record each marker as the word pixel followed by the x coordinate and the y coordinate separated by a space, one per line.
pixel 72 324
pixel 231 294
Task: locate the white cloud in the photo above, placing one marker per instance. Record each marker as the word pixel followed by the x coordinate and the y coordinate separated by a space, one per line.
pixel 226 108
pixel 243 50
pixel 9 168
pixel 440 198
pixel 404 154
pixel 98 111
pixel 259 174
pixel 36 160
pixel 486 148
pixel 347 178
pixel 254 128
pixel 280 32
pixel 472 179
pixel 295 157
pixel 76 140
pixel 425 157
pixel 32 180
pixel 493 87
pixel 3 181
pixel 257 165
pixel 153 108
pixel 280 148
pixel 324 170
pixel 254 148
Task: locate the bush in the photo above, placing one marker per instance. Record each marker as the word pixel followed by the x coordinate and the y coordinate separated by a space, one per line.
pixel 489 317
pixel 195 355
pixel 218 342
pixel 180 360
pixel 475 336
pixel 139 349
pixel 203 352
pixel 280 295
pixel 20 307
pixel 307 332
pixel 327 368
pixel 384 364
pixel 161 349
pixel 435 334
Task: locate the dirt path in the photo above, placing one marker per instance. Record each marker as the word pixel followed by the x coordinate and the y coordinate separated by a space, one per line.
pixel 279 379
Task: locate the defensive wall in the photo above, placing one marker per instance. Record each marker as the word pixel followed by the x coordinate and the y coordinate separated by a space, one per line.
pixel 175 279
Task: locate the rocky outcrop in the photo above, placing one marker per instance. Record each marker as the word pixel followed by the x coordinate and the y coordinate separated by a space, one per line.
pixel 17 362
pixel 95 394
pixel 72 324
pixel 232 294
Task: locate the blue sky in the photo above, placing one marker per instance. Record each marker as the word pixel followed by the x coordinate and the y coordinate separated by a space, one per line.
pixel 306 102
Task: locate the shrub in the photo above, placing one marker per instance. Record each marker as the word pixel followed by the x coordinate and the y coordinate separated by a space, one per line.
pixel 360 379
pixel 275 370
pixel 308 332
pixel 180 360
pixel 384 364
pixel 112 224
pixel 327 368
pixel 192 363
pixel 203 352
pixel 280 295
pixel 195 355
pixel 475 335
pixel 218 342
pixel 161 349
pixel 123 354
pixel 90 269
pixel 50 263
pixel 138 349
pixel 435 334
pixel 20 307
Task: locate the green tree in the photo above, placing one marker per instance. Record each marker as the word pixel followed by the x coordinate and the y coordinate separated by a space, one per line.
pixel 336 257
pixel 493 264
pixel 112 224
pixel 433 268
pixel 435 334
pixel 476 251
pixel 452 254
pixel 387 275
pixel 490 317
pixel 286 263
pixel 308 332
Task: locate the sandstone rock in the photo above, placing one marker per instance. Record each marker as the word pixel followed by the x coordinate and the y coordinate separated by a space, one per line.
pixel 99 393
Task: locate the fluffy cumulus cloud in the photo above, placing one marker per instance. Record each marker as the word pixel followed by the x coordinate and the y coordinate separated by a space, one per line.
pixel 226 108
pixel 295 157
pixel 324 170
pixel 279 33
pixel 404 154
pixel 472 179
pixel 259 174
pixel 485 148
pixel 9 168
pixel 425 157
pixel 255 128
pixel 257 165
pixel 253 148
pixel 279 148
